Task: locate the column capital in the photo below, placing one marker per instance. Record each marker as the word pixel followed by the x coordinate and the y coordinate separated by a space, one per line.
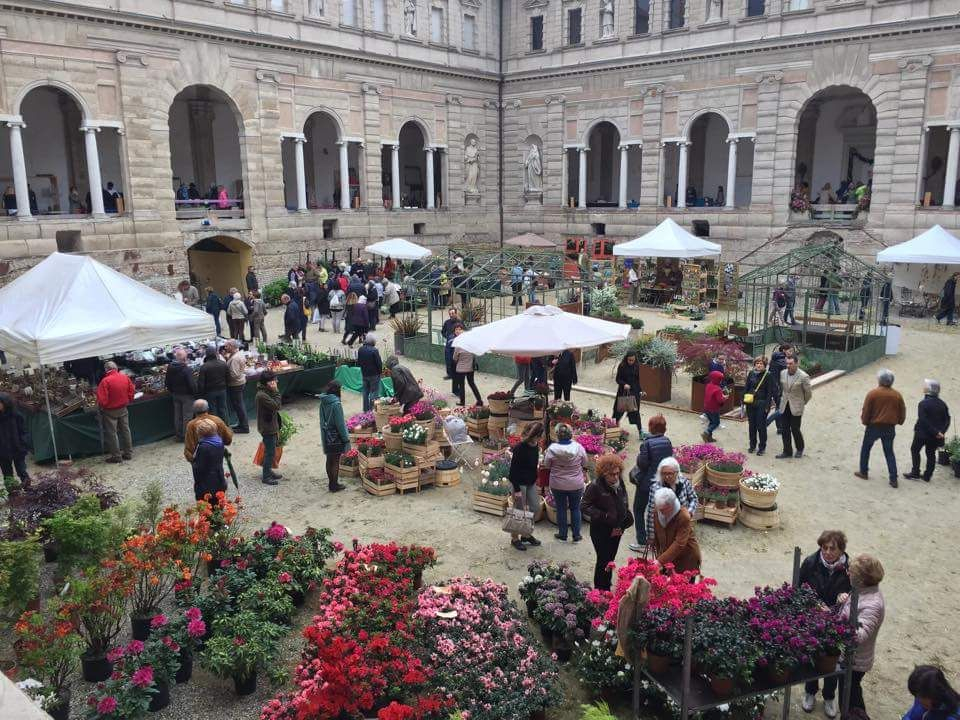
pixel 430 149
pixel 90 128
pixel 583 149
pixel 16 124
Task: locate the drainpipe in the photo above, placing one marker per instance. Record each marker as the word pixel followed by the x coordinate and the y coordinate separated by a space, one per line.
pixel 500 125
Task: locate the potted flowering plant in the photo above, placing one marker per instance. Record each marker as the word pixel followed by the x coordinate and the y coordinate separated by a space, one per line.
pixel 401 422
pixel 270 599
pixel 159 658
pixel 422 410
pixel 362 423
pixel 478 412
pixel 349 461
pixel 599 667
pixel 370 447
pixel 726 469
pixel 188 629
pixel 561 411
pixel 415 435
pixel 499 402
pixel 759 490
pixel 48 648
pixel 695 356
pixel 660 631
pixel 400 459
pixel 123 697
pixel 243 645
pixel 563 613
pixel 45 698
pixel 537 572
pixel 94 603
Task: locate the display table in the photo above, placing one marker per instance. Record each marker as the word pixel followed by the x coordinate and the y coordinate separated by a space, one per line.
pixel 151 418
pixel 350 378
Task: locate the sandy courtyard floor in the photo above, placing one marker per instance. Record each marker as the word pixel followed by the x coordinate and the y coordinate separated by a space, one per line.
pixel 913 529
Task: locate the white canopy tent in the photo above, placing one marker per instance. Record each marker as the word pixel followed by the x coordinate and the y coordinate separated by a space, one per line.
pixel 70 306
pixel 667 240
pixel 540 330
pixel 935 246
pixel 398 249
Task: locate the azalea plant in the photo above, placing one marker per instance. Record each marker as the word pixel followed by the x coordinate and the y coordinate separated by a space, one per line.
pixel 48 647
pixel 243 645
pixel 187 628
pixel 94 602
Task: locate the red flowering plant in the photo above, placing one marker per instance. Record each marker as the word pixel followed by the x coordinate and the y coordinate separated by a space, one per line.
pixel 121 697
pixel 158 657
pixel 695 356
pixel 187 628
pixel 399 423
pixel 48 647
pixel 94 603
pixel 350 458
pixel 370 446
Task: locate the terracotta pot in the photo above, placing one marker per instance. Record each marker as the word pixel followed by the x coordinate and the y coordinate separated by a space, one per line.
pixel 245 686
pixel 657 383
pixel 658 663
pixel 826 663
pixel 722 687
pixel 161 698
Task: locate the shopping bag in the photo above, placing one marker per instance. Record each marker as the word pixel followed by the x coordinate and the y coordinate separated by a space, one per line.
pixel 258 456
pixel 543 477
pixel 518 522
pixel 627 403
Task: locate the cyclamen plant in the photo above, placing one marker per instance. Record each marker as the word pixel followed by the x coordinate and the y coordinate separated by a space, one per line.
pixel 422 410
pixel 361 421
pixel 370 447
pixel 415 434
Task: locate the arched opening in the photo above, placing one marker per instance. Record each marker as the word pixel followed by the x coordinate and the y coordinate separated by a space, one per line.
pixel 57 158
pixel 205 153
pixel 219 262
pixel 836 139
pixel 322 160
pixel 603 166
pixel 708 162
pixel 413 167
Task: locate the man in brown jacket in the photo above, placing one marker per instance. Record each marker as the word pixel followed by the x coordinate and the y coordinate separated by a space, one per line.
pixel 236 380
pixel 201 409
pixel 883 410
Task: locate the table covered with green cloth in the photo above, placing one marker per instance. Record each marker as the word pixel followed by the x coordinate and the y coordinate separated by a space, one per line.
pixel 151 419
pixel 350 378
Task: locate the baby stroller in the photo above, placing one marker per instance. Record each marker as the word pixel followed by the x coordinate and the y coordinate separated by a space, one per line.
pixel 462 447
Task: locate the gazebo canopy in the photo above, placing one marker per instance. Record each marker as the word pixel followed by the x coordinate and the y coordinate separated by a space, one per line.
pixel 530 240
pixel 398 249
pixel 70 306
pixel 935 246
pixel 667 240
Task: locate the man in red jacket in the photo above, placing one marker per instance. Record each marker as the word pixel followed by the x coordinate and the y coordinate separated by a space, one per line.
pixel 114 393
pixel 713 400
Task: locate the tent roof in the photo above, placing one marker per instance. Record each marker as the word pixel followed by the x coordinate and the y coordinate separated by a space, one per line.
pixel 530 240
pixel 540 330
pixel 70 306
pixel 398 249
pixel 936 245
pixel 667 240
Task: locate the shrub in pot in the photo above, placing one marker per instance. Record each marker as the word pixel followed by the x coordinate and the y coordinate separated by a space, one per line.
pixel 19 574
pixel 188 629
pixel 95 602
pixel 84 533
pixel 243 645
pixel 123 697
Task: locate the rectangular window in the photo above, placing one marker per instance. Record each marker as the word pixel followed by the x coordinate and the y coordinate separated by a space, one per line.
pixel 315 8
pixel 436 25
pixel 469 32
pixel 677 11
pixel 380 15
pixel 641 17
pixel 536 33
pixel 756 8
pixel 349 13
pixel 278 5
pixel 574 36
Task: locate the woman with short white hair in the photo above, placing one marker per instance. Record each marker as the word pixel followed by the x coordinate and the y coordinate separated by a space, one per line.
pixel 669 476
pixel 674 541
pixel 236 316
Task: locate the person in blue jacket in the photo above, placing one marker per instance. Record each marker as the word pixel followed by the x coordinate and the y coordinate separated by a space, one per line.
pixel 934 699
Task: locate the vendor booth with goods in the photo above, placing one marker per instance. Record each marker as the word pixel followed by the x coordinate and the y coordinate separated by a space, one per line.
pixel 921 266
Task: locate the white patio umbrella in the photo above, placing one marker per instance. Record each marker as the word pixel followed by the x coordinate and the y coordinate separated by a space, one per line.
pixel 398 249
pixel 540 330
pixel 667 240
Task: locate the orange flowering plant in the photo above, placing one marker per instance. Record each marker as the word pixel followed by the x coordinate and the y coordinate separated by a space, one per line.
pixel 94 602
pixel 48 646
pixel 216 519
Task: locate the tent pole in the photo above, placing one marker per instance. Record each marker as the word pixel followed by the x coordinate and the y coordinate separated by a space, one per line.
pixel 53 433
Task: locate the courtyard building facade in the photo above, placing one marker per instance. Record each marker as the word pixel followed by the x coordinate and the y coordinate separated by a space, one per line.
pixel 208 135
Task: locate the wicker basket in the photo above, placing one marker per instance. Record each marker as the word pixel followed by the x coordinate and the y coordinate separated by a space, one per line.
pixel 497 407
pixel 551 512
pixel 429 426
pixel 757 498
pixel 759 518
pixel 392 440
pixel 349 471
pixel 723 479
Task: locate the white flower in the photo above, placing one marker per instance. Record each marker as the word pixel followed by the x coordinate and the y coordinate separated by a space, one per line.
pixel 596 643
pixel 538 578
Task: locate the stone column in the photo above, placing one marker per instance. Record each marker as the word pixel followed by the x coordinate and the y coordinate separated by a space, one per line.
pixel 682 174
pixel 624 155
pixel 343 146
pixel 564 184
pixel 301 174
pixel 953 157
pixel 921 185
pixel 731 172
pixel 20 169
pixel 395 174
pixel 93 170
pixel 582 184
pixel 661 165
pixel 430 191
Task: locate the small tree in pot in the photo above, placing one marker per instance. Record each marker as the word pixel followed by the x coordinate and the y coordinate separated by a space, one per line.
pixel 695 356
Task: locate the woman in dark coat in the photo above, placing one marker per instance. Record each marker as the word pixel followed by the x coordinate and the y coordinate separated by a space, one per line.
pixel 762 386
pixel 14 442
pixel 359 320
pixel 605 502
pixel 323 304
pixel 628 385
pixel 564 375
pixel 373 305
pixel 208 477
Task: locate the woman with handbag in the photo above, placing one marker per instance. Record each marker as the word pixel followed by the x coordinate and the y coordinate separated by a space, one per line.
pixel 605 501
pixel 523 477
pixel 333 433
pixel 629 391
pixel 758 394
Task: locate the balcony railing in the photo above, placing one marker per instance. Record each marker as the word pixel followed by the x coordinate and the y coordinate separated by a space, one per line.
pixel 199 209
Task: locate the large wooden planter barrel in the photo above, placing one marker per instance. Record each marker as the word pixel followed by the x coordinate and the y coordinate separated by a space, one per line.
pixel 657 383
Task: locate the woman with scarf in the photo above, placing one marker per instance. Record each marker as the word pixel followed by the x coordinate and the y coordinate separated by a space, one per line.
pixel 208 477
pixel 826 572
pixel 675 542
pixel 605 503
pixel 866 573
pixel 668 476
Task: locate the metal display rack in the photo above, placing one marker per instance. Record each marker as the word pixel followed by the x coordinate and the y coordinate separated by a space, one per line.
pixel 693 694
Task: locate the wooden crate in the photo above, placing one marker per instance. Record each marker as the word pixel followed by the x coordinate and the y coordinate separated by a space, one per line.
pixel 428 476
pixel 361 433
pixel 422 451
pixel 726 515
pixel 477 428
pixel 448 478
pixel 371 462
pixel 490 504
pixel 379 484
pixel 611 434
pixel 349 471
pixel 429 426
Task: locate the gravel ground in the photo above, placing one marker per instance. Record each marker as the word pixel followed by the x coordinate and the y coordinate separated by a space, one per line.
pixel 913 530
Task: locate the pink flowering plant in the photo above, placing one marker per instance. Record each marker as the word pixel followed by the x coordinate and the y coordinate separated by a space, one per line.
pixel 187 628
pixel 361 421
pixel 692 457
pixel 422 410
pixel 728 462
pixel 119 698
pixel 593 444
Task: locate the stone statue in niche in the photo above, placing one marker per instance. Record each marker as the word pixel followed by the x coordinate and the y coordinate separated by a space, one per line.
pixel 315 8
pixel 410 17
pixel 606 18
pixel 533 171
pixel 714 9
pixel 471 168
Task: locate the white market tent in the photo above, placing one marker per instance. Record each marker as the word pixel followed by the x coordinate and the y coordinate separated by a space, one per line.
pixel 398 249
pixel 667 240
pixel 540 330
pixel 70 306
pixel 935 246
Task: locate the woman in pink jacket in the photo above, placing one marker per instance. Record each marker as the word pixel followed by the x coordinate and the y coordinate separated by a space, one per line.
pixel 866 572
pixel 567 461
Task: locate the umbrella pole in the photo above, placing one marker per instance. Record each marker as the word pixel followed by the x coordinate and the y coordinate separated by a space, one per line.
pixel 46 396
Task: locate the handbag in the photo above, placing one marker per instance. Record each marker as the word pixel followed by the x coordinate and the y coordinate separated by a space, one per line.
pixel 748 397
pixel 627 403
pixel 518 522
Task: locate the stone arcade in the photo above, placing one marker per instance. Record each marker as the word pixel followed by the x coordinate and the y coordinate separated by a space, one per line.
pixel 267 129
